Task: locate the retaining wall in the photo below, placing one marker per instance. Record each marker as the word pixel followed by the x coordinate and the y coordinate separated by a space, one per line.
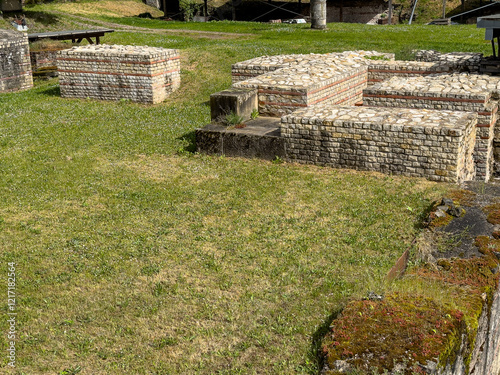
pixel 141 74
pixel 15 65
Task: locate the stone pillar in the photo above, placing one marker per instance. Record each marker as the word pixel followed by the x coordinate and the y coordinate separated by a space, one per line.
pixel 15 64
pixel 318 14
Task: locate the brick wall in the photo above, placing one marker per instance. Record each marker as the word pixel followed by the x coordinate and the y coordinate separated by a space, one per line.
pixel 15 65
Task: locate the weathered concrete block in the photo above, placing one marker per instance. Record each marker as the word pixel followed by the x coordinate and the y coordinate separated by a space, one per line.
pixel 240 101
pixel 259 139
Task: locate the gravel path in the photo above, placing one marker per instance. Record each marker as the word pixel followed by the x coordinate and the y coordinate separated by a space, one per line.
pixel 88 22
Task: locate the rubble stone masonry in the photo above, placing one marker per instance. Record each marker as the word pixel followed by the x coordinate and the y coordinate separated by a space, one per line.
pixel 112 72
pixel 426 107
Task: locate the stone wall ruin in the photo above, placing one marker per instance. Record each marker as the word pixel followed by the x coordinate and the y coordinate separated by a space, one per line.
pixel 15 65
pixel 457 139
pixel 113 72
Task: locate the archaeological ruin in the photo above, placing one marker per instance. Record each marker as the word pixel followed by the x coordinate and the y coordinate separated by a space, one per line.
pixel 112 72
pixel 15 65
pixel 434 117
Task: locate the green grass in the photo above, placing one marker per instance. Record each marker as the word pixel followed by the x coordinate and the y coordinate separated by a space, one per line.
pixel 135 255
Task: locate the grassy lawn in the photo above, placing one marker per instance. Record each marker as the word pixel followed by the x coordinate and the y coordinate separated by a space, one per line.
pixel 135 255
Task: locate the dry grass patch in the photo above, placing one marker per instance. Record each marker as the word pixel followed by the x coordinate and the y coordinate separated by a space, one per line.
pixel 112 8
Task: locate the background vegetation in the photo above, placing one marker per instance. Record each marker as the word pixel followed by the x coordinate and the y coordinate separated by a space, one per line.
pixel 136 255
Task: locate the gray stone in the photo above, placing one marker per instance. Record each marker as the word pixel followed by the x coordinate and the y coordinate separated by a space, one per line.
pixel 239 101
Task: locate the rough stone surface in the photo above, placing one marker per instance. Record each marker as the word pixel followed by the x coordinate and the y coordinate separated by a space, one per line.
pixel 455 92
pixel 380 70
pixel 138 73
pixel 259 139
pixel 15 65
pixel 290 83
pixel 44 59
pixel 240 101
pixel 437 145
pixel 455 61
pixel 290 88
pixel 266 64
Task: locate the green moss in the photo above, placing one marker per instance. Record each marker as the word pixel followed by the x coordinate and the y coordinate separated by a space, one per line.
pixel 462 197
pixel 493 212
pixel 418 328
pixel 436 222
pixel 377 334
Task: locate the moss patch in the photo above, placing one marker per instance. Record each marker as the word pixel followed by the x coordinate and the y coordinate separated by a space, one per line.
pixel 493 212
pixel 438 222
pixel 459 197
pixel 414 329
pixel 376 334
pixel 462 197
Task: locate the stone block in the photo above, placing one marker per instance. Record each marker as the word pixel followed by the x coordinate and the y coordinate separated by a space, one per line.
pixel 240 101
pixel 260 138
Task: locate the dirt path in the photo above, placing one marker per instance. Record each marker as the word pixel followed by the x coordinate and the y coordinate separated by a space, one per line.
pixel 88 22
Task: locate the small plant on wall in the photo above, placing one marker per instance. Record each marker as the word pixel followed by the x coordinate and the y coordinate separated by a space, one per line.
pixel 233 119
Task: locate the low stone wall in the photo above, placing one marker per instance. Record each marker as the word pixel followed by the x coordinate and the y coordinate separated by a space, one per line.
pixel 44 59
pixel 288 89
pixel 437 145
pixel 287 83
pixel 15 65
pixel 140 74
pixel 454 61
pixel 379 71
pixel 265 64
pixel 456 92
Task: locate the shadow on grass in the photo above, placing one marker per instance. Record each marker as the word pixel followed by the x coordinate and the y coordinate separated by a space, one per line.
pixel 317 339
pixel 43 18
pixel 190 138
pixel 50 91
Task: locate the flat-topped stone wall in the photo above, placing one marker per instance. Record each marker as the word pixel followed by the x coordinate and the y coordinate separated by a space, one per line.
pixel 15 65
pixel 379 71
pixel 141 74
pixel 265 64
pixel 291 88
pixel 437 145
pixel 455 92
pixel 454 61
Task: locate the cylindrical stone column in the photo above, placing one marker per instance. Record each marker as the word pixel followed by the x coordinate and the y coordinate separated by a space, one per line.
pixel 318 14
